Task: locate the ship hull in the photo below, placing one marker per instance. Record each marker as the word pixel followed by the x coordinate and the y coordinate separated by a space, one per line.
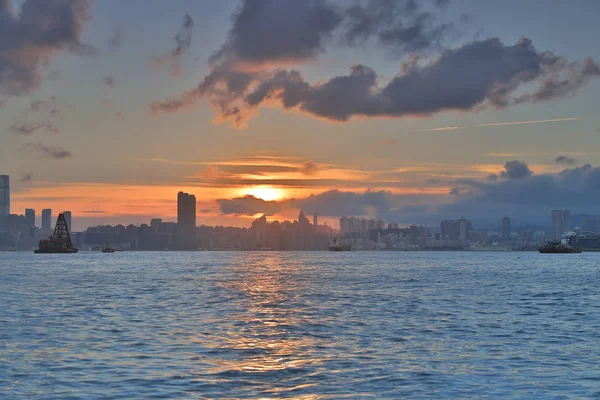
pixel 55 251
pixel 340 248
pixel 559 251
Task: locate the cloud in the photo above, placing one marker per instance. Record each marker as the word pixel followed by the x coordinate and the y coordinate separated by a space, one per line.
pixel 55 152
pixel 445 128
pixel 248 205
pixel 211 173
pixel 29 128
pixel 296 32
pixel 93 212
pixel 29 40
pixel 26 177
pixel 108 81
pixel 116 39
pixel 183 40
pixel 399 25
pixel 539 121
pixel 516 170
pixel 565 160
pixel 485 73
pixel 455 191
pixel 309 168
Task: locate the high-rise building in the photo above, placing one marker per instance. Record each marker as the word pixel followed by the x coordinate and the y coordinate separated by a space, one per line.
pixel 68 216
pixel 186 220
pixel 30 217
pixel 456 230
pixel 155 224
pixel 4 195
pixel 47 218
pixel 315 220
pixel 506 229
pixel 561 222
pixel 589 224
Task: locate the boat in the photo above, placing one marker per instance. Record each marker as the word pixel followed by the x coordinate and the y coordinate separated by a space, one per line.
pixel 108 249
pixel 60 241
pixel 558 247
pixel 337 244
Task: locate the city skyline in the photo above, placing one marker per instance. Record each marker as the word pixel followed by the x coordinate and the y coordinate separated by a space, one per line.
pixel 113 118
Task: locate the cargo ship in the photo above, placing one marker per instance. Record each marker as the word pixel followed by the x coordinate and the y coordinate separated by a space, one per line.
pixel 558 247
pixel 337 244
pixel 60 241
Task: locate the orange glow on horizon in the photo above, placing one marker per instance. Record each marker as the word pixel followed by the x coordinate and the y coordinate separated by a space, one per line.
pixel 266 193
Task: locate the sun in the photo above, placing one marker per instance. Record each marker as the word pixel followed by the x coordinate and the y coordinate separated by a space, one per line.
pixel 266 193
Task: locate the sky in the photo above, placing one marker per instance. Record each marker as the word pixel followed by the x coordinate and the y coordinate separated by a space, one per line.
pixel 408 111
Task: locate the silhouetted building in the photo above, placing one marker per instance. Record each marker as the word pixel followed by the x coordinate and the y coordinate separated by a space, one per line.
pixel 68 216
pixel 30 217
pixel 315 221
pixel 186 220
pixel 455 230
pixel 589 224
pixel 4 195
pixel 561 221
pixel 155 224
pixel 506 229
pixel 47 218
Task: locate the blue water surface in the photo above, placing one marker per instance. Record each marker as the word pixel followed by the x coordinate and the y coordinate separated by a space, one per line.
pixel 308 325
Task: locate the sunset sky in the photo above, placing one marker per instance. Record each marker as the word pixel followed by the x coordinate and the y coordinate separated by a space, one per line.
pixel 403 110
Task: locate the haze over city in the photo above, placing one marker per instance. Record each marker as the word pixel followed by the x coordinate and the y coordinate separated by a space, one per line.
pixel 411 112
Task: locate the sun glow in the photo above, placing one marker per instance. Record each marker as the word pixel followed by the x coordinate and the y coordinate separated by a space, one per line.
pixel 266 193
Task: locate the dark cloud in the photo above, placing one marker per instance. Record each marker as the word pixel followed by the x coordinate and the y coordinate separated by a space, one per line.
pixel 26 177
pixel 455 191
pixel 400 25
pixel 478 74
pixel 516 170
pixel 108 81
pixel 331 203
pixel 492 177
pixel 29 128
pixel 296 31
pixel 29 40
pixel 309 168
pixel 565 160
pixel 338 204
pixel 116 39
pixel 248 205
pixel 183 40
pixel 55 152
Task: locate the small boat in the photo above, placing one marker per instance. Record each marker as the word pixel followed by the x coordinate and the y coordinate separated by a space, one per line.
pixel 108 249
pixel 337 244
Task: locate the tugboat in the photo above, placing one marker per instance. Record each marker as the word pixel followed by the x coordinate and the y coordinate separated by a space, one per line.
pixel 558 247
pixel 108 249
pixel 337 244
pixel 60 242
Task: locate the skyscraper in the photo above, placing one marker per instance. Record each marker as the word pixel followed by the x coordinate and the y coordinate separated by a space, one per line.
pixel 4 195
pixel 506 229
pixel 561 222
pixel 186 220
pixel 47 218
pixel 67 215
pixel 315 220
pixel 30 217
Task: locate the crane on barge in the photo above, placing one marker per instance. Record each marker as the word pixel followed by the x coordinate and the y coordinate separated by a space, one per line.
pixel 60 241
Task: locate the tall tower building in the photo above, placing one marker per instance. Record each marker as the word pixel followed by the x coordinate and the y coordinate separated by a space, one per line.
pixel 4 195
pixel 30 217
pixel 315 220
pixel 561 222
pixel 67 215
pixel 186 220
pixel 47 218
pixel 506 229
